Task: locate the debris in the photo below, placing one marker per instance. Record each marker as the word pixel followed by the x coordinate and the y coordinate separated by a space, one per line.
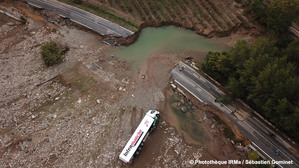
pixel 10 24
pixel 184 109
pixel 33 116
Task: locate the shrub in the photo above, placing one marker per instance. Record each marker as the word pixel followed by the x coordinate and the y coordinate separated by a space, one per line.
pixel 77 1
pixel 253 155
pixel 23 20
pixel 51 53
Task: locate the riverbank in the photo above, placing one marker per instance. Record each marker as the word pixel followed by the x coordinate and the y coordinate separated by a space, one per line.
pixel 204 17
pixel 209 19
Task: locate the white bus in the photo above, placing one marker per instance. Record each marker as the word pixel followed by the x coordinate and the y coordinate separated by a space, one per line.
pixel 136 142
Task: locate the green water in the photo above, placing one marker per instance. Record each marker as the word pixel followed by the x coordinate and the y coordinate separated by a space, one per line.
pixel 168 39
pixel 188 124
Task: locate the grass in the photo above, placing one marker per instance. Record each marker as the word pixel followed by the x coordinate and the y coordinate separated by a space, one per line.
pixel 103 12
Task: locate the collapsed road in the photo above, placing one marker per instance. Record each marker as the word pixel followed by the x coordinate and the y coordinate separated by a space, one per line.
pixel 84 18
pixel 258 132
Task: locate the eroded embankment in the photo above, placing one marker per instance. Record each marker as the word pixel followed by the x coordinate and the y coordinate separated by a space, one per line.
pixel 206 33
pixel 245 28
pixel 238 135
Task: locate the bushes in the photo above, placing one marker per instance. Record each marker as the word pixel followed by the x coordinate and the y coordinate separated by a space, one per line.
pixel 77 1
pixel 277 16
pixel 23 20
pixel 51 53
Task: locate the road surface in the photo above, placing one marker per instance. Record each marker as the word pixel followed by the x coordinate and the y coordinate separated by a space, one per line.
pixel 89 20
pixel 254 129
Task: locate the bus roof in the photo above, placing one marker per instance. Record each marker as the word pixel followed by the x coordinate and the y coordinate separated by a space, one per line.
pixel 132 145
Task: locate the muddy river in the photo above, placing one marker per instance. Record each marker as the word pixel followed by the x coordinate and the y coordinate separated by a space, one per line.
pixel 168 39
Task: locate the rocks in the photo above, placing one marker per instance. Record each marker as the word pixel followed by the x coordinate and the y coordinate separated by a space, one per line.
pixel 10 24
pixel 6 140
pixel 122 89
pixel 34 116
pixel 240 148
pixel 178 104
pixel 184 109
pixel 200 120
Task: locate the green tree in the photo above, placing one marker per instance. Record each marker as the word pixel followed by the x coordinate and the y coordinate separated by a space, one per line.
pixel 218 66
pixel 292 52
pixel 236 88
pixel 253 155
pixel 262 46
pixel 78 1
pixel 51 53
pixel 239 53
pixel 262 85
pixel 252 68
pixel 23 20
pixel 259 9
pixel 281 14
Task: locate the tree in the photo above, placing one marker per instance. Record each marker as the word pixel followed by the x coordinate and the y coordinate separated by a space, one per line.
pixel 262 75
pixel 23 20
pixel 253 155
pixel 262 46
pixel 292 52
pixel 51 53
pixel 236 88
pixel 281 14
pixel 78 1
pixel 262 86
pixel 218 66
pixel 259 9
pixel 239 53
pixel 209 66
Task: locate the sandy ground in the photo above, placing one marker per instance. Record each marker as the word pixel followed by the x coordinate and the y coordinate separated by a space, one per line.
pixel 81 112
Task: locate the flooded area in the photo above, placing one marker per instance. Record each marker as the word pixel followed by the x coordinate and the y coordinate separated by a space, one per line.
pixel 168 39
pixel 82 111
pixel 175 44
pixel 188 119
